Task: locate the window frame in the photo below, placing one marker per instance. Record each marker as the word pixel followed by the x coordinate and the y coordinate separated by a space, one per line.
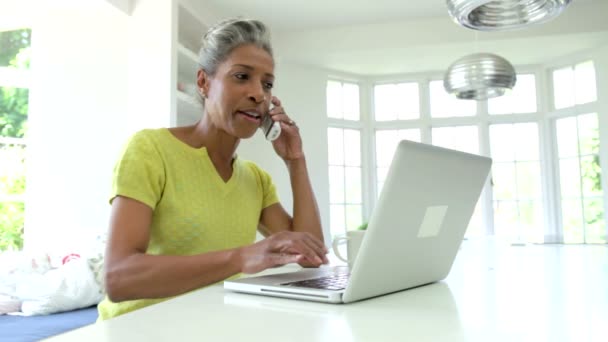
pixel 355 125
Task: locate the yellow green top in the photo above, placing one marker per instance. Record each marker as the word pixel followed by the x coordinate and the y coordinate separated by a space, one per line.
pixel 195 211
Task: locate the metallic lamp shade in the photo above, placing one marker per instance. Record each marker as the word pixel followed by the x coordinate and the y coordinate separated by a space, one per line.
pixel 494 15
pixel 479 76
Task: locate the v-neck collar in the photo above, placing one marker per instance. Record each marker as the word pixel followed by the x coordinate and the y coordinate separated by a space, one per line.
pixel 217 178
pixel 203 154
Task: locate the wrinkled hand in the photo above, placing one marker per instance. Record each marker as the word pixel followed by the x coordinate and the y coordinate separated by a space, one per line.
pixel 289 144
pixel 283 248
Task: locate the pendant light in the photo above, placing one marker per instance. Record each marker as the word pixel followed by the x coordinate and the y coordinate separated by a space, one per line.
pixel 479 76
pixel 495 15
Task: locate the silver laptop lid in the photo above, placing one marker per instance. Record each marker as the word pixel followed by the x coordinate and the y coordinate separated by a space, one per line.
pixel 419 220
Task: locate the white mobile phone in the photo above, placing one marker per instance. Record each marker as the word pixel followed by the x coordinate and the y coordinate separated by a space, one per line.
pixel 270 128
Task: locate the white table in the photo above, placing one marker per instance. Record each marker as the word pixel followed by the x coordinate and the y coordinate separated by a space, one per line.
pixel 495 292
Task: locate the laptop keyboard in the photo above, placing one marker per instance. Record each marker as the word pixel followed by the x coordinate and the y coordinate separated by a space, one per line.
pixel 332 282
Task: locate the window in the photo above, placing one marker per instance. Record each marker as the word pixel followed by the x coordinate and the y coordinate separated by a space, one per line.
pixel 554 196
pixel 521 100
pixel 577 136
pixel 582 206
pixel 386 144
pixel 14 65
pixel 516 177
pixel 344 154
pixel 444 105
pixel 574 85
pixel 396 101
pixel 343 100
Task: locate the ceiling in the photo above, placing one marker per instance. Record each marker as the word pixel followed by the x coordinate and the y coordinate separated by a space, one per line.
pixel 384 37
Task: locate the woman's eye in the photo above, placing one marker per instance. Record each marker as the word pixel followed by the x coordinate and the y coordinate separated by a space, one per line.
pixel 241 76
pixel 268 85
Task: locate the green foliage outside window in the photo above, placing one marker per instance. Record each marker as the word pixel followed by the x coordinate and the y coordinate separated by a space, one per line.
pixel 14 53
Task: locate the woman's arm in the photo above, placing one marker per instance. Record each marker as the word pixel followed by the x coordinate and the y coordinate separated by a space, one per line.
pixel 133 274
pixel 306 216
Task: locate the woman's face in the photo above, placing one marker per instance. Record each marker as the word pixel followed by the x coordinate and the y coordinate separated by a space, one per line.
pixel 238 95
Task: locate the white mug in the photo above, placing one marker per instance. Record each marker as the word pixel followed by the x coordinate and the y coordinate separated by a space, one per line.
pixel 353 241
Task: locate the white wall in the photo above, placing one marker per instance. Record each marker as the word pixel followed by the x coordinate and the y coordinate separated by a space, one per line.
pixel 149 51
pixel 78 97
pixel 302 91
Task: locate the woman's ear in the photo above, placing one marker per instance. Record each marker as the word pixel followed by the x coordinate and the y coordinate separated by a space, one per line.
pixel 202 81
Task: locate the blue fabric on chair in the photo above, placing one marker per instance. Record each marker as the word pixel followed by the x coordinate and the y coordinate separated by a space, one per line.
pixel 35 328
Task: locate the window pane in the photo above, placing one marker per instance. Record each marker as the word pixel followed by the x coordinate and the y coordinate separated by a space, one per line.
pixel 350 93
pixel 531 221
pixel 386 143
pixel 563 88
pixel 410 134
pixel 336 184
pixel 572 220
pixel 12 215
pixel 382 172
pixel 386 102
pixel 12 172
pixel 352 144
pixel 570 180
pixel 528 180
pixel 462 138
pixel 567 141
pixel 522 99
pixel 445 105
pixel 410 101
pixel 501 146
pixel 591 172
pixel 396 101
pixel 353 184
pixel 526 141
pixel 584 75
pixel 353 217
pixel 14 107
pixel 334 99
pixel 335 141
pixel 517 179
pixel 595 226
pixel 588 134
pixel 503 176
pixel 15 45
pixel 337 219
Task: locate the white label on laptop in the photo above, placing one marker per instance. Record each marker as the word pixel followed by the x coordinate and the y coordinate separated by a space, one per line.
pixel 433 218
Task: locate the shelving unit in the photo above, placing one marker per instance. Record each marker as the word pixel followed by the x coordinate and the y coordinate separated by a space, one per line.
pixel 190 29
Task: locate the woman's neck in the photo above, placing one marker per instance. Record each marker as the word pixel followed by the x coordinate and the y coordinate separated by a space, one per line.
pixel 220 146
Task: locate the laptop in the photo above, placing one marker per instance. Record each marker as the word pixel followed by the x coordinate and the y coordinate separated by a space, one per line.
pixel 412 237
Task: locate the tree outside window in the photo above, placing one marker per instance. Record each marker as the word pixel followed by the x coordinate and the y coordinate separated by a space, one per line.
pixel 14 66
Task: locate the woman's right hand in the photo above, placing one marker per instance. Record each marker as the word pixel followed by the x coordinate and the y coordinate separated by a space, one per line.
pixel 282 248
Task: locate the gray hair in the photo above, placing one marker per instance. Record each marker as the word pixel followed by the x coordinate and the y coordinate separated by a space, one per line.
pixel 224 37
pixel 221 39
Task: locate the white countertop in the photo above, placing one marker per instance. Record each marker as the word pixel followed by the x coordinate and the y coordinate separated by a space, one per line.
pixel 495 292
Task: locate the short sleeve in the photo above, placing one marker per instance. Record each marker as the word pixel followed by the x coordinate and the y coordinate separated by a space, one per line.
pixel 269 190
pixel 139 172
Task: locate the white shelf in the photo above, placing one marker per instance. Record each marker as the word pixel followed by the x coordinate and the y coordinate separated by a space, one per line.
pixel 187 65
pixel 190 28
pixel 189 110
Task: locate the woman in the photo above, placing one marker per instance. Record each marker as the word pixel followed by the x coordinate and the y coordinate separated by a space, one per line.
pixel 185 209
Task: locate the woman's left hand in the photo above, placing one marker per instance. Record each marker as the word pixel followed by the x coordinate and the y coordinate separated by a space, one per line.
pixel 289 144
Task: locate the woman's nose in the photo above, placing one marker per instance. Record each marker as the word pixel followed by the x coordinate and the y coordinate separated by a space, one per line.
pixel 256 94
